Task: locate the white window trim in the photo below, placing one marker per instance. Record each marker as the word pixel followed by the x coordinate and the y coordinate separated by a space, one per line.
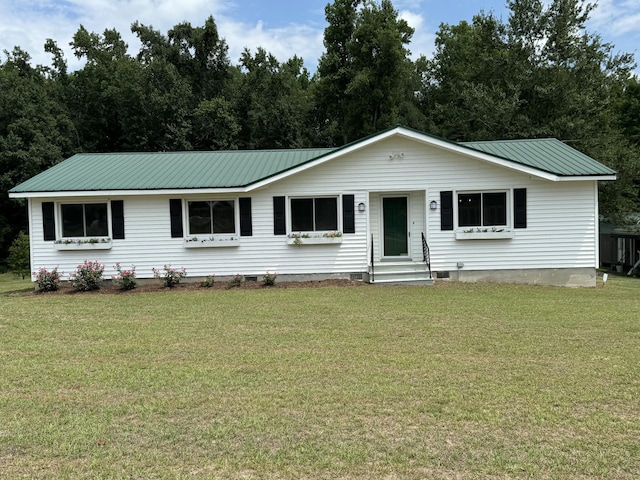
pixel 59 221
pixel 211 239
pixel 491 232
pixel 508 207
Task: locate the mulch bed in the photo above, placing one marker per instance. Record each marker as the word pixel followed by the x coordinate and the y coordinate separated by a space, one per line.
pixel 221 285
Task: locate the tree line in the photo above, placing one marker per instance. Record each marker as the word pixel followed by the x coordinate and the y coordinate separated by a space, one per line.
pixel 539 73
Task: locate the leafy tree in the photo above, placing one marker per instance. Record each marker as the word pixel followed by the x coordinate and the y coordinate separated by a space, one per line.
pixel 215 126
pixel 167 110
pixel 122 104
pixel 273 102
pixel 195 60
pixel 365 79
pixel 35 133
pixel 199 54
pixel 335 70
pixel 629 111
pixel 19 257
pixel 542 72
pixel 105 95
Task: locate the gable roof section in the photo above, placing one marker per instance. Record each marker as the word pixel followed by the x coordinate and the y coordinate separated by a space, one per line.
pixel 546 154
pixel 166 170
pixel 249 169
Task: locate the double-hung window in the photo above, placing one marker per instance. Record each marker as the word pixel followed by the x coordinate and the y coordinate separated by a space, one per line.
pixel 84 220
pixel 314 214
pixel 483 209
pixel 212 217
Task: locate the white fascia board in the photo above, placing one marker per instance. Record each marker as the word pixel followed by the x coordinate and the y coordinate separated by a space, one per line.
pixel 577 178
pixel 128 193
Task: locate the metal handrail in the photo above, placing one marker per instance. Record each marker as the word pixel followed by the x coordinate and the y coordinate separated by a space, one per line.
pixel 372 274
pixel 426 256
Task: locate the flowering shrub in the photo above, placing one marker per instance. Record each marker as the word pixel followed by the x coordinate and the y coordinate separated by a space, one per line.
pixel 126 279
pixel 171 276
pixel 87 277
pixel 269 279
pixel 208 281
pixel 47 281
pixel 235 281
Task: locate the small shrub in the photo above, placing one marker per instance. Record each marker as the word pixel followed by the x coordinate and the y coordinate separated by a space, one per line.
pixel 235 281
pixel 47 281
pixel 87 277
pixel 208 281
pixel 126 279
pixel 171 276
pixel 19 255
pixel 269 279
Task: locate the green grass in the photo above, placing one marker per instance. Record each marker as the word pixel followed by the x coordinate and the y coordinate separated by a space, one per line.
pixel 465 381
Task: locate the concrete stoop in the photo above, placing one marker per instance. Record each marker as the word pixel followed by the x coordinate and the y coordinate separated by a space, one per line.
pixel 399 273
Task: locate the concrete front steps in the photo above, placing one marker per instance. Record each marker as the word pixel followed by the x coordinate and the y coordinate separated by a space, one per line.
pixel 400 273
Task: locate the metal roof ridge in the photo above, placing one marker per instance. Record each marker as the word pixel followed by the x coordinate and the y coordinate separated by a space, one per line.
pixel 515 140
pixel 188 152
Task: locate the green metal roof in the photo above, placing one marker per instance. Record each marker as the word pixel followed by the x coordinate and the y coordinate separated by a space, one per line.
pixel 235 168
pixel 546 154
pixel 170 170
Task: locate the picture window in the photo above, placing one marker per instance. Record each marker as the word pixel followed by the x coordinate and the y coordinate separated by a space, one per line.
pixel 84 220
pixel 314 214
pixel 485 209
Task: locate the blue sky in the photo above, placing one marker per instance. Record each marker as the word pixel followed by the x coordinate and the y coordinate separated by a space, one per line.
pixel 283 27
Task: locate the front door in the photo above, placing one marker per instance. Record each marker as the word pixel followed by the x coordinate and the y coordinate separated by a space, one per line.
pixel 395 226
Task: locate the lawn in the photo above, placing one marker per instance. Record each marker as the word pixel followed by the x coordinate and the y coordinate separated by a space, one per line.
pixel 456 381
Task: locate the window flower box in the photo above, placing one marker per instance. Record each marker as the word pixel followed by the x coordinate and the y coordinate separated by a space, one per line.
pixel 212 242
pixel 83 244
pixel 310 239
pixel 485 234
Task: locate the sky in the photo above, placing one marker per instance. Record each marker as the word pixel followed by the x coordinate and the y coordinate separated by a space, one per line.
pixel 282 27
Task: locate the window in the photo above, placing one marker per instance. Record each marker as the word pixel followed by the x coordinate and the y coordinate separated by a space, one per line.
pixel 482 209
pixel 211 217
pixel 314 214
pixel 84 220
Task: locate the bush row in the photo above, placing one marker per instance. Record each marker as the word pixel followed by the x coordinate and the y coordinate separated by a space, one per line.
pixel 89 276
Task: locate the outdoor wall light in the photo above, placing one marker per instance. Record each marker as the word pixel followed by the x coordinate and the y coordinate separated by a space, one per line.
pixel 433 205
pixel 361 207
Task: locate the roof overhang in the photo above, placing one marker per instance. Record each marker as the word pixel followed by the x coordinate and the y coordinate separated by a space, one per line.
pixel 124 193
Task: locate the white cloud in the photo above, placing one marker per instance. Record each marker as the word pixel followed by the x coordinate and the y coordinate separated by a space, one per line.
pixel 617 18
pixel 284 42
pixel 422 42
pixel 28 24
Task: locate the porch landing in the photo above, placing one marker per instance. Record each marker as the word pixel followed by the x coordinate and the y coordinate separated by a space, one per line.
pixel 399 273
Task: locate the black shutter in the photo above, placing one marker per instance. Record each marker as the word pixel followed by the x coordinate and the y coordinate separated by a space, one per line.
pixel 117 219
pixel 446 210
pixel 279 218
pixel 48 221
pixel 348 214
pixel 175 209
pixel 246 229
pixel 520 208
